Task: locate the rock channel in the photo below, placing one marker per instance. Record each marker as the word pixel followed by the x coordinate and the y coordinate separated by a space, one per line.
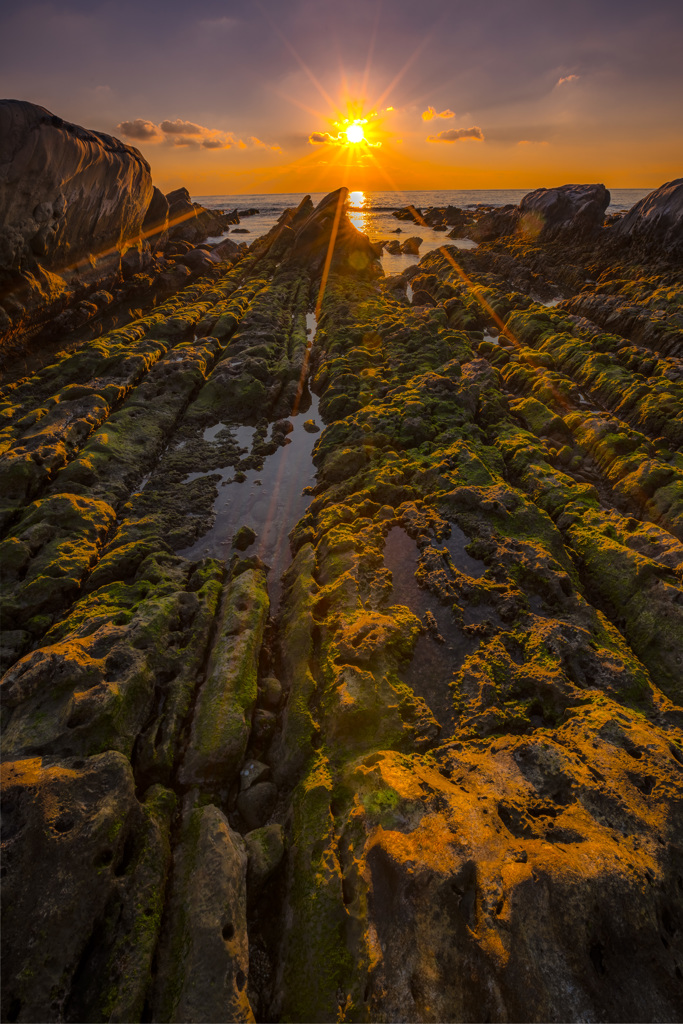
pixel 435 771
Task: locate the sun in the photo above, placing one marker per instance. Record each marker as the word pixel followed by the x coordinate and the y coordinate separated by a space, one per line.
pixel 355 133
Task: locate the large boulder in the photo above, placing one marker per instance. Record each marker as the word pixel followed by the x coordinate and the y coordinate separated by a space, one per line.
pixel 66 193
pixel 656 222
pixel 72 203
pixel 577 211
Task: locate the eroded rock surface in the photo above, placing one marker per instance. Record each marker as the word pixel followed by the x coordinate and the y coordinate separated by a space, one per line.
pixel 66 193
pixel 656 222
pixel 82 228
pixel 436 771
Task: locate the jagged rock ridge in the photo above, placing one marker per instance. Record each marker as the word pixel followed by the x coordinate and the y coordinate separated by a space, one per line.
pixel 442 778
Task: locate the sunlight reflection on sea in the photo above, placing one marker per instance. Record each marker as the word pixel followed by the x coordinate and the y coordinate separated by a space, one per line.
pixel 371 212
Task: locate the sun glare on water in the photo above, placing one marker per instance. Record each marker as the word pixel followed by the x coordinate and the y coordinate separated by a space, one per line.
pixel 355 133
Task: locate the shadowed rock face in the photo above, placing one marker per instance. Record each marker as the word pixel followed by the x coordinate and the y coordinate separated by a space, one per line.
pixel 352 249
pixel 65 192
pixel 656 222
pixel 192 221
pixel 491 225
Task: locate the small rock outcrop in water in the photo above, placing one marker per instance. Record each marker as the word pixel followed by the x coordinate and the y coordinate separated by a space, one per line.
pixel 192 221
pixel 575 212
pixel 441 778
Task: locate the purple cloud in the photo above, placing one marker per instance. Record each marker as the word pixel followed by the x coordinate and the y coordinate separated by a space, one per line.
pixel 456 134
pixel 138 129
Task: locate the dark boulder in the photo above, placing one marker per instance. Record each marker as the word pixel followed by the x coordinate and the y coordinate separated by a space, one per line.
pixel 656 222
pixel 434 217
pixel 198 260
pixel 411 246
pixel 492 224
pixel 409 213
pixel 72 204
pixel 576 211
pixel 155 224
pixel 226 249
pixel 193 222
pixel 458 221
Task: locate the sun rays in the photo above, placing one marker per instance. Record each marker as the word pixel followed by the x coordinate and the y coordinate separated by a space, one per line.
pixel 355 130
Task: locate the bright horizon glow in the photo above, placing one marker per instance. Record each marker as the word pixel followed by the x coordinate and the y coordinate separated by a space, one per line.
pixel 537 97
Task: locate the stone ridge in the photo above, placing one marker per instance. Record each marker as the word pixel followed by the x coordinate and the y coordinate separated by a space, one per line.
pixel 442 777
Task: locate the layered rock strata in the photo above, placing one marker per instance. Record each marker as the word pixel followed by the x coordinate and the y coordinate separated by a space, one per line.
pixel 441 778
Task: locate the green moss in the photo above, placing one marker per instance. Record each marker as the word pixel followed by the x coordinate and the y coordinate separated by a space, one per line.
pixel 222 717
pixel 318 964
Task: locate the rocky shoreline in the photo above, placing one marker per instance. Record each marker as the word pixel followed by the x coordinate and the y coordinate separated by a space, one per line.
pixel 436 771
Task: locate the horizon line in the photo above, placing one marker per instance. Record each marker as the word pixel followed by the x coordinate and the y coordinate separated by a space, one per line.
pixel 370 191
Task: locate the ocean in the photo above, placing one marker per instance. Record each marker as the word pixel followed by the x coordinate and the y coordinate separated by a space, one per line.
pixel 371 213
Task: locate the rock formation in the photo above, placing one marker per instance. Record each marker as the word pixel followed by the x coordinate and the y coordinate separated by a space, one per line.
pixel 66 194
pixel 192 221
pixel 72 203
pixel 432 771
pixel 79 216
pixel 570 210
pixel 656 222
pixel 493 223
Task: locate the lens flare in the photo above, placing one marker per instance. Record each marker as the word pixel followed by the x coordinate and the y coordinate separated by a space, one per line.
pixel 355 133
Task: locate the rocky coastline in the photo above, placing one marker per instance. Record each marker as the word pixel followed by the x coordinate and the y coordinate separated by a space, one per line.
pixel 433 772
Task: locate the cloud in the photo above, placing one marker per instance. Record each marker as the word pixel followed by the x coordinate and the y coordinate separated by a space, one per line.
pixel 532 142
pixel 430 113
pixel 188 134
pixel 456 134
pixel 139 129
pixel 322 137
pixel 325 138
pixel 179 127
pixel 210 139
pixel 568 78
pixel 264 145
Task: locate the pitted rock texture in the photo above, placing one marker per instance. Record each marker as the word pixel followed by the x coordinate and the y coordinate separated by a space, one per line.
pixel 437 774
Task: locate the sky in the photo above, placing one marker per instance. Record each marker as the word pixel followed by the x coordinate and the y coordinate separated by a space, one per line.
pixel 258 96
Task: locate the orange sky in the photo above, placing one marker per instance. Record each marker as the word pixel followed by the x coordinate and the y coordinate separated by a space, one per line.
pixel 226 97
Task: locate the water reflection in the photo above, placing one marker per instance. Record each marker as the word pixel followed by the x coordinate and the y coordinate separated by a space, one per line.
pixel 358 214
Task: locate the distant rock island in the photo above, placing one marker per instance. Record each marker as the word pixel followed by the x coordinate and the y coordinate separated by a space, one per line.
pixel 342 613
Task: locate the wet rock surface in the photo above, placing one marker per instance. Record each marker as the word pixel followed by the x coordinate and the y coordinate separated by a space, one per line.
pixel 405 746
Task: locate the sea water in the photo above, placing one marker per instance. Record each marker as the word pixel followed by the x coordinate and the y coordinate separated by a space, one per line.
pixel 371 212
